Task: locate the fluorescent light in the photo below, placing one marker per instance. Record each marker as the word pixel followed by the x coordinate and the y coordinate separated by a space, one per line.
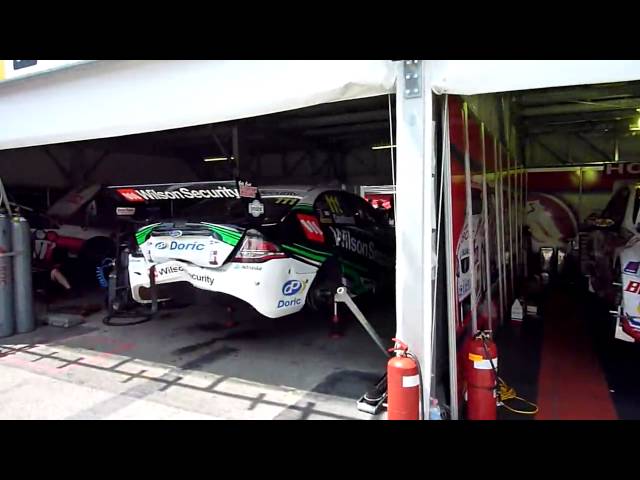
pixel 217 159
pixel 382 147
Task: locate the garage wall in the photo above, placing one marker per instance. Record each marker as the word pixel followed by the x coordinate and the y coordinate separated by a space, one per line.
pixel 126 168
pixel 360 166
pixel 496 112
pixel 29 168
pixel 485 265
pixel 560 199
pixel 33 167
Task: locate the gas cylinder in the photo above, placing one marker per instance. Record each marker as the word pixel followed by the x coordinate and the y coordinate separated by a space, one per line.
pixel 481 379
pixel 23 291
pixel 403 385
pixel 7 322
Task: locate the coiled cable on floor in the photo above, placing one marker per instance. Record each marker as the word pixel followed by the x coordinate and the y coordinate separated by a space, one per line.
pixel 505 392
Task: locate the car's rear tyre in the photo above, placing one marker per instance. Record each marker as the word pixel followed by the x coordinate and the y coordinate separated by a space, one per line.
pixel 324 286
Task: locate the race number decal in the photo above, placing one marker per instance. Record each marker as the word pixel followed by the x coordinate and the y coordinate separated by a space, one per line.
pixel 311 227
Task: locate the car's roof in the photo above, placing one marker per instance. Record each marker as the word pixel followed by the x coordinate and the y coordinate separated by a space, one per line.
pixel 306 193
pixel 300 188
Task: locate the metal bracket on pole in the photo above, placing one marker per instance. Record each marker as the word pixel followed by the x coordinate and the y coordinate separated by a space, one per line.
pixel 412 78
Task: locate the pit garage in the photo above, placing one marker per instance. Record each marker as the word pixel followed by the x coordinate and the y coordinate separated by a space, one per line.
pixel 497 192
pixel 545 183
pixel 233 342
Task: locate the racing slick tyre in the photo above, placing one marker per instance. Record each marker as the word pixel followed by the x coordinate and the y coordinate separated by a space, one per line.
pixel 324 286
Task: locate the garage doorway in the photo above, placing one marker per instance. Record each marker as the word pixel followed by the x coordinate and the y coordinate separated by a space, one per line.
pixel 545 182
pixel 345 146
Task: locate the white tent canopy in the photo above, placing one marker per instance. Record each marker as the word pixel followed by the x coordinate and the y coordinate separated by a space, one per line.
pixel 471 77
pixel 112 98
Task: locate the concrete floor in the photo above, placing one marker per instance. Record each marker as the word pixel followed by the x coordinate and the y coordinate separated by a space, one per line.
pixel 185 364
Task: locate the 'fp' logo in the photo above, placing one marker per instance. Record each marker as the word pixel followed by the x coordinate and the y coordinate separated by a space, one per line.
pixel 291 287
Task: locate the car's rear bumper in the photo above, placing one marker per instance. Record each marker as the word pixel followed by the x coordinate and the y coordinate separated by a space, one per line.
pixel 261 285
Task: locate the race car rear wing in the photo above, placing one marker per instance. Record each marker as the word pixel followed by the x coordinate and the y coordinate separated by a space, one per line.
pixel 148 195
pixel 176 191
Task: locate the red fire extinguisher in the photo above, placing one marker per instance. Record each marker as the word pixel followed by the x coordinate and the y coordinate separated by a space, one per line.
pixel 481 378
pixel 403 384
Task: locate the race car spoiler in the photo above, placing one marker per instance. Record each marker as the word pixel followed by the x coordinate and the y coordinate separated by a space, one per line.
pixel 144 195
pixel 180 191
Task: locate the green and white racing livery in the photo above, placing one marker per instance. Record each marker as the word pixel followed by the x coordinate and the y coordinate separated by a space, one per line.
pixel 302 243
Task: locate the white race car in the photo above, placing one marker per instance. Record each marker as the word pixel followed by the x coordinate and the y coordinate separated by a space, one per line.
pixel 282 249
pixel 616 248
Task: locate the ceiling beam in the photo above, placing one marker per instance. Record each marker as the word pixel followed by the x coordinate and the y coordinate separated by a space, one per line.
pixel 581 127
pixel 595 92
pixel 382 126
pixel 616 104
pixel 605 156
pixel 550 151
pixel 333 120
pixel 64 171
pixel 94 166
pixel 577 118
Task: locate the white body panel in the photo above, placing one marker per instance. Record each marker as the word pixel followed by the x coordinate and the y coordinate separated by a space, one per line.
pixel 274 288
pixel 204 252
pixel 630 273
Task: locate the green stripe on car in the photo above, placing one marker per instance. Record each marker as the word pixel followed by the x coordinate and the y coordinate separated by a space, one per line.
pixel 317 252
pixel 305 253
pixel 143 234
pixel 229 230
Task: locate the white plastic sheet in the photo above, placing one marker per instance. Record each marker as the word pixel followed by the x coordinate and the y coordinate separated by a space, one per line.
pixel 471 77
pixel 112 98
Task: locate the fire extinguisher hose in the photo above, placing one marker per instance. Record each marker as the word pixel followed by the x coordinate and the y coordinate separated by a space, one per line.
pixel 505 392
pixel 415 359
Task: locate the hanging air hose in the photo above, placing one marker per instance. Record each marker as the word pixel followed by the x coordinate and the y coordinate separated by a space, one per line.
pixel 505 392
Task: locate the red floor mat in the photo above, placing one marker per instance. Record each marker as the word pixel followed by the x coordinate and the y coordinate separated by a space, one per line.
pixel 572 385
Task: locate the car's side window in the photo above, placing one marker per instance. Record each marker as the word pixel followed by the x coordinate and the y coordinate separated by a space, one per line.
pixel 336 206
pixel 364 213
pixel 322 210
